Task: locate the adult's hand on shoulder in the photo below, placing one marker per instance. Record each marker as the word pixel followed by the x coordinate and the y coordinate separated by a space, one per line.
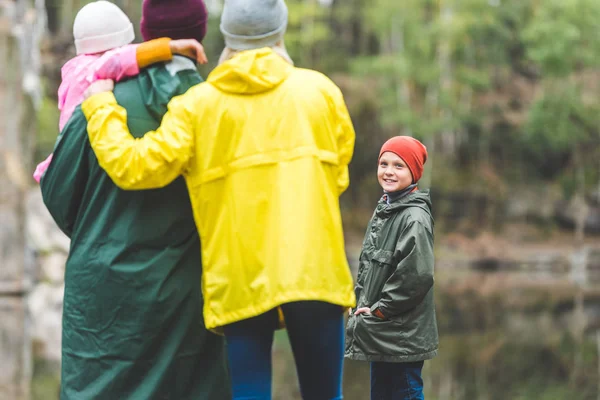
pixel 189 48
pixel 102 85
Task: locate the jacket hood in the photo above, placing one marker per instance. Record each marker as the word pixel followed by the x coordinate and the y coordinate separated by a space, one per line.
pixel 251 72
pixel 418 198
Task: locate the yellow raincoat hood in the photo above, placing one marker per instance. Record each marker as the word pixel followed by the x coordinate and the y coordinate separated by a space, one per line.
pixel 250 72
pixel 264 148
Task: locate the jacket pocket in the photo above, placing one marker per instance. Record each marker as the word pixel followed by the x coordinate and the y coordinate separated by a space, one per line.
pixel 381 268
pixel 376 337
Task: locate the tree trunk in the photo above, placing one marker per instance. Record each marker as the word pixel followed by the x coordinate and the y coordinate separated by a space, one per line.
pixel 579 203
pixel 307 30
pixel 22 23
pixel 15 349
pixel 444 61
pixel 396 46
pixel 598 353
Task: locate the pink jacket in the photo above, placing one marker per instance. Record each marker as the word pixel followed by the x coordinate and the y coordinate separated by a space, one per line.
pixel 79 73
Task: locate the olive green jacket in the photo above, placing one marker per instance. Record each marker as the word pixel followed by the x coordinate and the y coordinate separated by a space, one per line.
pixel 395 277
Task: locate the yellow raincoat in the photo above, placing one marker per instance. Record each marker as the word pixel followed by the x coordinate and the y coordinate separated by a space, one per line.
pixel 264 149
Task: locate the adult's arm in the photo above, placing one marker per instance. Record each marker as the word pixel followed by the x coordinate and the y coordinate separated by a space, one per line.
pixel 152 161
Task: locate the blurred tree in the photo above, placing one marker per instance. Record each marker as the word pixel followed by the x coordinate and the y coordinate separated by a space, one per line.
pixel 562 39
pixel 499 90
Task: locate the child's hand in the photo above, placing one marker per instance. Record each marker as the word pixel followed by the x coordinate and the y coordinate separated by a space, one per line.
pixel 103 85
pixel 363 310
pixel 189 48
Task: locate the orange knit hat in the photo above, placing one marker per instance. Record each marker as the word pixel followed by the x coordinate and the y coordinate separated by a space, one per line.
pixel 410 150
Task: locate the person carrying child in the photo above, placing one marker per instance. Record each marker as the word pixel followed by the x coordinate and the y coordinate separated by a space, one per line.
pixel 394 324
pixel 132 324
pixel 103 34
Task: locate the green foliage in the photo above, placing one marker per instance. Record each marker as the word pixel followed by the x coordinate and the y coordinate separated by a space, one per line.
pixel 562 36
pixel 45 383
pixel 308 30
pixel 47 120
pixel 558 120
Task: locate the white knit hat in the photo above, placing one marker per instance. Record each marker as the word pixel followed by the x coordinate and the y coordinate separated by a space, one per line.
pixel 101 26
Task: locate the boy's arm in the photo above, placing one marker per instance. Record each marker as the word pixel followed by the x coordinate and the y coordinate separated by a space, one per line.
pixel 152 161
pixel 65 180
pixel 413 278
pixel 345 140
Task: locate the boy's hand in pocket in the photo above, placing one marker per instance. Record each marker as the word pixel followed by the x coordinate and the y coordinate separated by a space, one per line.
pixel 363 310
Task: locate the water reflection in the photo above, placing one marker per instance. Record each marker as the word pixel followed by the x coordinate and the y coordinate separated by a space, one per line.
pixel 511 332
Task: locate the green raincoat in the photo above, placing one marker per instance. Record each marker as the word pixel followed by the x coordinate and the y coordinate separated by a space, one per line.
pixel 132 321
pixel 395 276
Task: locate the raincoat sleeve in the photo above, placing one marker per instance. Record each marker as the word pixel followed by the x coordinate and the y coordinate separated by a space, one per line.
pixel 413 277
pixel 345 140
pixel 150 162
pixel 63 183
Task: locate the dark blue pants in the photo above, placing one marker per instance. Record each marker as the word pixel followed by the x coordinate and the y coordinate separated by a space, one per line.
pixel 316 332
pixel 396 381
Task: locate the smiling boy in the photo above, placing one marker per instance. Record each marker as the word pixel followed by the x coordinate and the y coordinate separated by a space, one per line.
pixel 394 324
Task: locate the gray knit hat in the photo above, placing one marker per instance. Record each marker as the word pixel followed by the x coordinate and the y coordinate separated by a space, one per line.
pixel 252 24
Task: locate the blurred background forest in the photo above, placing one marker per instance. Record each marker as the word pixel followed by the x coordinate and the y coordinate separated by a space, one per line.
pixel 506 96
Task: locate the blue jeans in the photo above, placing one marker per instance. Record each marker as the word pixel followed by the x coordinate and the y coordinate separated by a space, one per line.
pixel 316 332
pixel 396 381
